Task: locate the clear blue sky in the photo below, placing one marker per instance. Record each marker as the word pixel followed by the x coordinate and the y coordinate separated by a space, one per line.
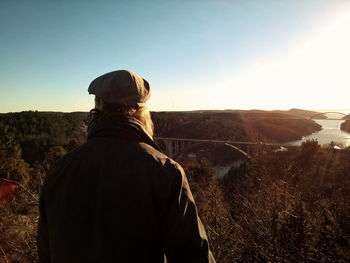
pixel 208 54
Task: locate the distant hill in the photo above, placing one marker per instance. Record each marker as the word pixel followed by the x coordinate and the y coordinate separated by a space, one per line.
pixel 347 117
pixel 345 126
pixel 292 113
pixel 254 125
pixel 300 113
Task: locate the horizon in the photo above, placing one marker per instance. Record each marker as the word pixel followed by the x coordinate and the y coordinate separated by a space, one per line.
pixel 196 55
pixel 341 111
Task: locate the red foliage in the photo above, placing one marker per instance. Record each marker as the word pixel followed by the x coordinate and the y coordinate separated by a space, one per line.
pixel 6 190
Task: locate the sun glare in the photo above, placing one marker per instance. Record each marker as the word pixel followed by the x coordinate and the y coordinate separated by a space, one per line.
pixel 313 73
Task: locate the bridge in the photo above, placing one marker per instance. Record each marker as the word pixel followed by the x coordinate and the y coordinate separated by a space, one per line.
pixel 319 115
pixel 174 146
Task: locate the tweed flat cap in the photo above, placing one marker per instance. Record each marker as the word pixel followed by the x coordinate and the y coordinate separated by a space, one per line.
pixel 121 87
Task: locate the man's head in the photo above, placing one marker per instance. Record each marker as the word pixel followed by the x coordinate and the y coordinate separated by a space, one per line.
pixel 121 87
pixel 123 92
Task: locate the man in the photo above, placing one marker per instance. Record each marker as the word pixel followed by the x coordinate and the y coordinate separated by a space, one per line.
pixel 117 198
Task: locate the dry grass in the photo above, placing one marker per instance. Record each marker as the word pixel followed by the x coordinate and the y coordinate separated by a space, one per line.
pixel 18 227
pixel 281 207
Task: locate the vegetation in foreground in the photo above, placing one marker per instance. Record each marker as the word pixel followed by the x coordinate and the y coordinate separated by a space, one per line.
pixel 289 206
pixel 279 207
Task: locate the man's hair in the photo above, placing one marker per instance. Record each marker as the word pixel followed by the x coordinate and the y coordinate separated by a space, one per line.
pixel 141 113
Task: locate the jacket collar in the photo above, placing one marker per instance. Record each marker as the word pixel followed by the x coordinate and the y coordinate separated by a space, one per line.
pixel 119 127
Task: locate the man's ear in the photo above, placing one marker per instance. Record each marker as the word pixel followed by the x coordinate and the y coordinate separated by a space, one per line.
pixel 98 103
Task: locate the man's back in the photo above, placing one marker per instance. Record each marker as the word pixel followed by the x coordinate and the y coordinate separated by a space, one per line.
pixel 116 198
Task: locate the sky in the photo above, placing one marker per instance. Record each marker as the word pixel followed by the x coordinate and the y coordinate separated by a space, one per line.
pixel 196 54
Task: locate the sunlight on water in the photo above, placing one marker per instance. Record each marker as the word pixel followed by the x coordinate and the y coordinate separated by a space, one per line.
pixel 330 132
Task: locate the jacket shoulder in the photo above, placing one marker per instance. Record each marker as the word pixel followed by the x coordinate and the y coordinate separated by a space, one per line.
pixel 164 161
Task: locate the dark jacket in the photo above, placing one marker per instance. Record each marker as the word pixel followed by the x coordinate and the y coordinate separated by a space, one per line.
pixel 117 198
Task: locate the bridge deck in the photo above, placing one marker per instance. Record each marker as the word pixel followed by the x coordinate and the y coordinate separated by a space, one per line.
pixel 330 119
pixel 223 141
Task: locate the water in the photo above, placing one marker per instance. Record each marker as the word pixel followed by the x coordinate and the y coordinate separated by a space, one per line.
pixel 330 132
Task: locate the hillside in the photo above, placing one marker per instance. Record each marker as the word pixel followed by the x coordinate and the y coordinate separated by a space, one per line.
pixel 345 126
pixel 255 125
pixel 36 132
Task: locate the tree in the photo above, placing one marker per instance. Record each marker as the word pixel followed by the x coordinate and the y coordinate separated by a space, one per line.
pixel 12 166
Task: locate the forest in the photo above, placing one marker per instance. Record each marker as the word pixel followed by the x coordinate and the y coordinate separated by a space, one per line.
pixel 280 206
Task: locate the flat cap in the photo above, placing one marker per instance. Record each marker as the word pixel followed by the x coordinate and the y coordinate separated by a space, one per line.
pixel 121 87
